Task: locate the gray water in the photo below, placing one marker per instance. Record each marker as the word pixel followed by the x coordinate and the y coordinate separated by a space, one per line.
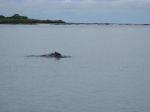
pixel 109 70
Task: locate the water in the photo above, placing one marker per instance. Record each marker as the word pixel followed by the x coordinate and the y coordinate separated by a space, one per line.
pixel 108 72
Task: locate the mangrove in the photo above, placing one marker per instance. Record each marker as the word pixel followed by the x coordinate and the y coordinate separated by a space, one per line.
pixel 18 19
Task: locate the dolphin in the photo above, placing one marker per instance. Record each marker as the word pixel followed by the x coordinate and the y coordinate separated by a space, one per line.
pixel 51 55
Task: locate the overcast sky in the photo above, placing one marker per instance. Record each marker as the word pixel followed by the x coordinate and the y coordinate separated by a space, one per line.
pixel 118 11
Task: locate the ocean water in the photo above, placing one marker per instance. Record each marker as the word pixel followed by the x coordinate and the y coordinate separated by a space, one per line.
pixel 109 70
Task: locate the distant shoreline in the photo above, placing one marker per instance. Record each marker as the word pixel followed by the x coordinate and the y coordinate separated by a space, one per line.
pixel 37 23
pixel 17 19
pixel 105 24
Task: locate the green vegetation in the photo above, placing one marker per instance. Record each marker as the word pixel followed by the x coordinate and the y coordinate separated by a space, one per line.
pixel 17 19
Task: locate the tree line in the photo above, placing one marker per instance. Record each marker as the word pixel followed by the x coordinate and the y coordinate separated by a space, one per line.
pixel 18 19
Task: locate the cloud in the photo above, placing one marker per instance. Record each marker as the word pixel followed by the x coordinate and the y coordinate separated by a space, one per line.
pixel 133 3
pixel 93 5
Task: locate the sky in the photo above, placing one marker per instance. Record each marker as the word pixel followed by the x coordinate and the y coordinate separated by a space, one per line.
pixel 102 11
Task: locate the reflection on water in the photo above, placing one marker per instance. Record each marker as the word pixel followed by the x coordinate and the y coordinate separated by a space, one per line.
pixel 108 72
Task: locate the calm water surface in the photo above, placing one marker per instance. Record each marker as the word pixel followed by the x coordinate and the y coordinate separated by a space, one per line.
pixel 109 70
